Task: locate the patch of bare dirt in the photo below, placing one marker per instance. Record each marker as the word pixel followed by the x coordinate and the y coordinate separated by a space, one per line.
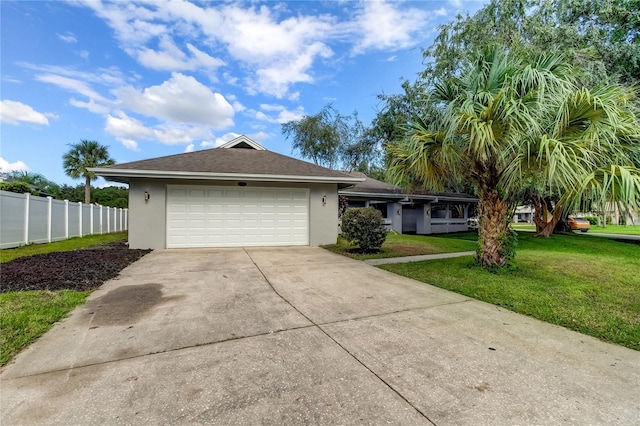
pixel 79 270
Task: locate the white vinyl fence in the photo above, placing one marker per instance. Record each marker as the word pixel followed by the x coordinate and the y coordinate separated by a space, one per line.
pixel 25 219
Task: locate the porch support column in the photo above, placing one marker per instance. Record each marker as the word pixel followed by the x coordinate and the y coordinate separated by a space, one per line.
pixel 423 219
pixel 394 213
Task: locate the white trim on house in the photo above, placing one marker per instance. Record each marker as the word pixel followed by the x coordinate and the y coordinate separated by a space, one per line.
pixel 165 174
pixel 240 139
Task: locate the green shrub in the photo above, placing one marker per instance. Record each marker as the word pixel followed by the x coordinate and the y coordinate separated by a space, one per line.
pixel 18 187
pixel 364 227
pixel 593 220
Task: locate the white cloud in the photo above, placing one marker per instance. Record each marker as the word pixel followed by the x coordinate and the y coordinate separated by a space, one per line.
pixel 70 84
pixel 277 114
pixel 68 37
pixel 129 130
pixel 91 105
pixel 219 141
pixel 125 127
pixel 130 144
pixel 276 52
pixel 274 48
pixel 13 112
pixel 259 137
pixel 172 58
pixel 387 25
pixel 441 11
pixel 181 99
pixel 189 148
pixel 84 54
pixel 17 166
pixel 180 134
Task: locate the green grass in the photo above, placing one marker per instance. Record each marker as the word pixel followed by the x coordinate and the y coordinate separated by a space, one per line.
pixel 7 255
pixel 615 229
pixel 398 245
pixel 609 229
pixel 584 283
pixel 26 315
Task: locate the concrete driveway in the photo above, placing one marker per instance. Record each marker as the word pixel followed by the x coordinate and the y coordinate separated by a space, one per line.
pixel 303 336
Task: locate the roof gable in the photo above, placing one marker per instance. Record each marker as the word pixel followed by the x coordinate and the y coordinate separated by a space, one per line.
pixel 243 142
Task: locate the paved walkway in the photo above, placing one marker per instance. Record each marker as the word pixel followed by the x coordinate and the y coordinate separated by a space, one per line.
pixel 418 258
pixel 290 336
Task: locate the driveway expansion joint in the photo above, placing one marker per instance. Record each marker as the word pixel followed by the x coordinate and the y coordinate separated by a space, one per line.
pixel 197 345
pixel 387 384
pixel 399 311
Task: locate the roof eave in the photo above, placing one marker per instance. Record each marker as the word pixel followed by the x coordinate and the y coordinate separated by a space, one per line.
pixel 434 197
pixel 124 175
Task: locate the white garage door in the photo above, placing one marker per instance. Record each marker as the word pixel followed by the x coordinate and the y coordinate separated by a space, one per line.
pixel 208 216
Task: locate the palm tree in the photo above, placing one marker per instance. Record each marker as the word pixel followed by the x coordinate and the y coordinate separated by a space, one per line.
pixel 596 135
pixel 507 122
pixel 83 156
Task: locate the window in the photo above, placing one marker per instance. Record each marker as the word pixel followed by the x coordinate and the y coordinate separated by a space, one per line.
pixel 438 211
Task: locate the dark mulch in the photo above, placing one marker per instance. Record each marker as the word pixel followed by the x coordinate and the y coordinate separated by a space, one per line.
pixel 78 270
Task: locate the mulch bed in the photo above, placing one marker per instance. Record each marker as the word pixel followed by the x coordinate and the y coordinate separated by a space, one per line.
pixel 79 270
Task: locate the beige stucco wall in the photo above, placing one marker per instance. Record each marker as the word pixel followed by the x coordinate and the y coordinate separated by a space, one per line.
pixel 147 219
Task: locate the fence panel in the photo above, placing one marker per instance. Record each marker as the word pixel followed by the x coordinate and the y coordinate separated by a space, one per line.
pixel 95 214
pixel 38 220
pixel 86 219
pixel 11 219
pixel 74 218
pixel 58 220
pixel 26 219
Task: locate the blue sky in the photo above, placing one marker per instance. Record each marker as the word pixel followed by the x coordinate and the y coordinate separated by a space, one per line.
pixel 153 78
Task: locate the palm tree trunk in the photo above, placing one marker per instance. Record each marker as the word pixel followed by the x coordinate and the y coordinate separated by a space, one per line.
pixel 87 190
pixel 545 224
pixel 493 228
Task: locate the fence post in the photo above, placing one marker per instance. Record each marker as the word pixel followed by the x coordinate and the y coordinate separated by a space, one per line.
pixel 101 232
pixel 108 221
pixel 66 219
pixel 49 218
pixel 91 220
pixel 120 219
pixel 27 201
pixel 80 217
pixel 126 219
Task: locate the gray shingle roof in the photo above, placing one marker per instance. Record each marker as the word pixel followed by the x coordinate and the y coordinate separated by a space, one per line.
pixel 236 160
pixel 376 187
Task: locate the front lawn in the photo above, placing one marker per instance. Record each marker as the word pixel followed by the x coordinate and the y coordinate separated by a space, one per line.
pixel 595 229
pixel 587 284
pixel 26 315
pixel 398 245
pixel 55 279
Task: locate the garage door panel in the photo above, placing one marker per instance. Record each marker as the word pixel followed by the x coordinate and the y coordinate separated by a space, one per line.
pixel 220 216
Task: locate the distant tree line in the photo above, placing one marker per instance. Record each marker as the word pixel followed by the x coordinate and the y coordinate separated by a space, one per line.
pixel 37 184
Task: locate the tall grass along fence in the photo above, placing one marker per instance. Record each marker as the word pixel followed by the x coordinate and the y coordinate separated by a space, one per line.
pixel 25 219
